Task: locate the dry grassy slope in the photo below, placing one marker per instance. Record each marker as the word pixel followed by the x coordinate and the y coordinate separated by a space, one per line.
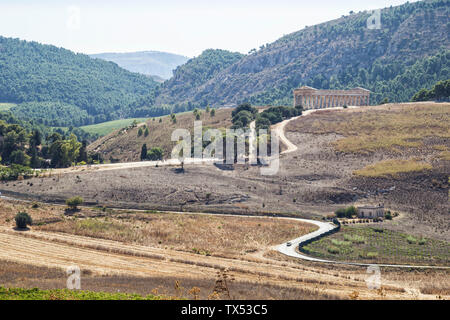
pixel 126 145
pixel 401 146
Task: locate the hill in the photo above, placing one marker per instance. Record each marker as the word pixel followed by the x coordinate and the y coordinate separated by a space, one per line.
pixel 406 54
pixel 125 144
pixel 151 63
pixel 188 78
pixel 60 79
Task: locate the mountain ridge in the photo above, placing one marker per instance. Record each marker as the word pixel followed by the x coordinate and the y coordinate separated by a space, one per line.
pixel 150 62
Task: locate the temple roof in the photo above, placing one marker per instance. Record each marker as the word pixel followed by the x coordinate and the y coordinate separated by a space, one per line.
pixel 359 88
pixel 306 87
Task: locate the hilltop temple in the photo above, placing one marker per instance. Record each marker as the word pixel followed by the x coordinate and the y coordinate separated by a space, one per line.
pixel 311 98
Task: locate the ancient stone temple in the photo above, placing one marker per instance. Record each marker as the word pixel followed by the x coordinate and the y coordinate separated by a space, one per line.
pixel 311 98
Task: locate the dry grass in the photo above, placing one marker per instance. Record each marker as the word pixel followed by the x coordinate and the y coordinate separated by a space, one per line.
pixel 126 145
pixel 391 168
pixel 386 127
pixel 202 234
pixel 14 274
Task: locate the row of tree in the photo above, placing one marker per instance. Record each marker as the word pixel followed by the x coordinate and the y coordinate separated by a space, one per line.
pixel 21 147
pixel 439 92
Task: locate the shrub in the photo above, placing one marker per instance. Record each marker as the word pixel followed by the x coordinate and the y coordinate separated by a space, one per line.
pixel 340 242
pixel 351 211
pixel 388 215
pixel 371 255
pixel 15 171
pixel 355 239
pixel 333 250
pixel 340 213
pixel 422 241
pixel 348 212
pixel 74 202
pixel 155 154
pixel 411 240
pixel 23 219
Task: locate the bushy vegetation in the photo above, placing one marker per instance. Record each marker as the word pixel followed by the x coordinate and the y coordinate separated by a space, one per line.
pixel 439 92
pixel 348 212
pixel 15 171
pixel 275 115
pixel 65 294
pixel 153 154
pixel 243 115
pixel 53 114
pixel 74 202
pixel 359 244
pixel 23 220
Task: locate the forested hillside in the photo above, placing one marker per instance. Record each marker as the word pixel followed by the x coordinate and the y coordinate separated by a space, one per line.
pixel 406 54
pixel 32 72
pixel 189 77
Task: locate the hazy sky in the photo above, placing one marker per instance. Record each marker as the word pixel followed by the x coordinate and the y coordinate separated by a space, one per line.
pixel 186 27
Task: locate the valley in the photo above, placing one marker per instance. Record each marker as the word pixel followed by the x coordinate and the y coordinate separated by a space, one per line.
pixel 352 113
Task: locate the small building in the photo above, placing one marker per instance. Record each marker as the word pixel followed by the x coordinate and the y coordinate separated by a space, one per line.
pixel 371 211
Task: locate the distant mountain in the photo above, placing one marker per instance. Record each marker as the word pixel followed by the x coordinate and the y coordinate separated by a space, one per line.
pixel 151 63
pixel 408 52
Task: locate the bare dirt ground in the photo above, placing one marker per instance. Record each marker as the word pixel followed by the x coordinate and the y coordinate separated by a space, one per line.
pixel 104 258
pixel 313 181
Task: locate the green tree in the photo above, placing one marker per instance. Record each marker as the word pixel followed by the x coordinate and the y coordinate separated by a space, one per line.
pixel 155 154
pixel 74 202
pixel 144 152
pixel 23 220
